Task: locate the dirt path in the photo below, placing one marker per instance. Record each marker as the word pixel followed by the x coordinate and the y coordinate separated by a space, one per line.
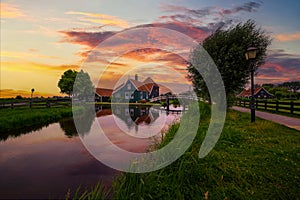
pixel 280 119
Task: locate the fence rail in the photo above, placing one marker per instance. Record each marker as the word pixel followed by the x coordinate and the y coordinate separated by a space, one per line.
pixel 279 106
pixel 36 103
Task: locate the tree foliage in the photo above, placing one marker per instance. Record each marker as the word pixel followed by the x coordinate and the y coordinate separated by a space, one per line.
pixel 227 49
pixel 83 88
pixel 293 86
pixel 67 81
pixel 76 83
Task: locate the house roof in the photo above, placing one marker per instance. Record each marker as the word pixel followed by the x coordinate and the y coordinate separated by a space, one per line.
pixel 247 92
pixel 164 90
pixel 145 86
pixel 148 80
pixel 104 92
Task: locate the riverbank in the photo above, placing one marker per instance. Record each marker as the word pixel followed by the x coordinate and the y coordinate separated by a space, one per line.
pixel 250 161
pixel 24 118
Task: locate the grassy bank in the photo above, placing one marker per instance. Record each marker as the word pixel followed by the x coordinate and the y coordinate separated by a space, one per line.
pixel 250 161
pixel 24 118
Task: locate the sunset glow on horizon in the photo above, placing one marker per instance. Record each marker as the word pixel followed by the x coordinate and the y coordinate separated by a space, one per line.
pixel 40 40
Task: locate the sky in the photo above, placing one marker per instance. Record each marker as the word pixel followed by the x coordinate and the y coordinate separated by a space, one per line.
pixel 41 39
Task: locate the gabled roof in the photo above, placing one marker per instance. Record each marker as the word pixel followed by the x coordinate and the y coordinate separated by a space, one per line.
pixel 145 86
pixel 137 84
pixel 164 90
pixel 148 80
pixel 247 92
pixel 104 92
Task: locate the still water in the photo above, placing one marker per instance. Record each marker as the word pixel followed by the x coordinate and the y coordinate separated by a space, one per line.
pixel 48 161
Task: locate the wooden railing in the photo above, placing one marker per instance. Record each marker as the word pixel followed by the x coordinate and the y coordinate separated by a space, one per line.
pixel 279 106
pixel 35 103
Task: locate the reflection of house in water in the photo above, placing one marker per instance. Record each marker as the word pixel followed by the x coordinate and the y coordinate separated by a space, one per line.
pixel 103 110
pixel 134 115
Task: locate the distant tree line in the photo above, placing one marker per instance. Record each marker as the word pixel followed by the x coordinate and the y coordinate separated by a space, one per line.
pixel 286 90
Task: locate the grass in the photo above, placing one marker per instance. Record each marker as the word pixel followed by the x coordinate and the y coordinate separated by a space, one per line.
pixel 24 118
pixel 98 192
pixel 250 161
pixel 280 112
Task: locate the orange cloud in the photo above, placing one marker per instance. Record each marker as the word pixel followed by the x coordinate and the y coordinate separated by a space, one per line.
pixel 100 19
pixel 288 37
pixel 33 66
pixel 21 55
pixel 10 11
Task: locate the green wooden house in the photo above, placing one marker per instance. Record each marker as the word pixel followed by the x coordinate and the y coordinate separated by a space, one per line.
pixel 134 90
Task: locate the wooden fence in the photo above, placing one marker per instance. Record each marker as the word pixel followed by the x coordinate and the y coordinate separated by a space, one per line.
pixel 40 103
pixel 279 106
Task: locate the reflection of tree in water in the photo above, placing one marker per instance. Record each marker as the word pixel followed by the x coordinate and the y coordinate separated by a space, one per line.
pixel 84 120
pixel 23 131
pixel 68 126
pixel 135 115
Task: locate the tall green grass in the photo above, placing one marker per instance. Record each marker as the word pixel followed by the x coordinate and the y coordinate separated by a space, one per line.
pixel 22 118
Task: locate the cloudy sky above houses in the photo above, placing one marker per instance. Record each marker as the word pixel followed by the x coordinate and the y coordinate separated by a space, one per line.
pixel 41 39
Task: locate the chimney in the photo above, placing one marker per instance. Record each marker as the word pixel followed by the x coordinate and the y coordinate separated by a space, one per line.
pixel 136 77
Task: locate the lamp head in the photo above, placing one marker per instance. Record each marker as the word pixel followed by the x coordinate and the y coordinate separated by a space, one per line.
pixel 251 53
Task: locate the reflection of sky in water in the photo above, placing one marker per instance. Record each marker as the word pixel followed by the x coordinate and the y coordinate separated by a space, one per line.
pixel 111 145
pixel 132 133
pixel 48 162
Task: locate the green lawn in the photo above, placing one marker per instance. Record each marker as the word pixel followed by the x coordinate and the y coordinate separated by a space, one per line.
pixel 250 161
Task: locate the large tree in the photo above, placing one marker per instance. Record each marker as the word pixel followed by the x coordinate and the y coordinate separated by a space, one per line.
pixel 83 88
pixel 67 81
pixel 227 49
pixel 77 84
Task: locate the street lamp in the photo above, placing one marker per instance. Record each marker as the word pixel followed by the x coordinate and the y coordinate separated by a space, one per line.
pixel 251 55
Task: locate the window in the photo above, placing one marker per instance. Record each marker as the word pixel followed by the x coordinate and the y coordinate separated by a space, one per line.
pixel 128 86
pixel 126 95
pixel 126 112
pixel 141 95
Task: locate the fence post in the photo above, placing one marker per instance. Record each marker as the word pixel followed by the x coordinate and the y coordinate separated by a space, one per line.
pixel 244 103
pixel 48 103
pixel 266 104
pixel 292 107
pixel 12 105
pixel 277 106
pixel 256 103
pixel 30 104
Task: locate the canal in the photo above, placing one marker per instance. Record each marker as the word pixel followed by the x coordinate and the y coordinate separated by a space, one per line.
pixel 47 162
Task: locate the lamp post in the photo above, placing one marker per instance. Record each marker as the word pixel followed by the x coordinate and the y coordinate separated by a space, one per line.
pixel 251 55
